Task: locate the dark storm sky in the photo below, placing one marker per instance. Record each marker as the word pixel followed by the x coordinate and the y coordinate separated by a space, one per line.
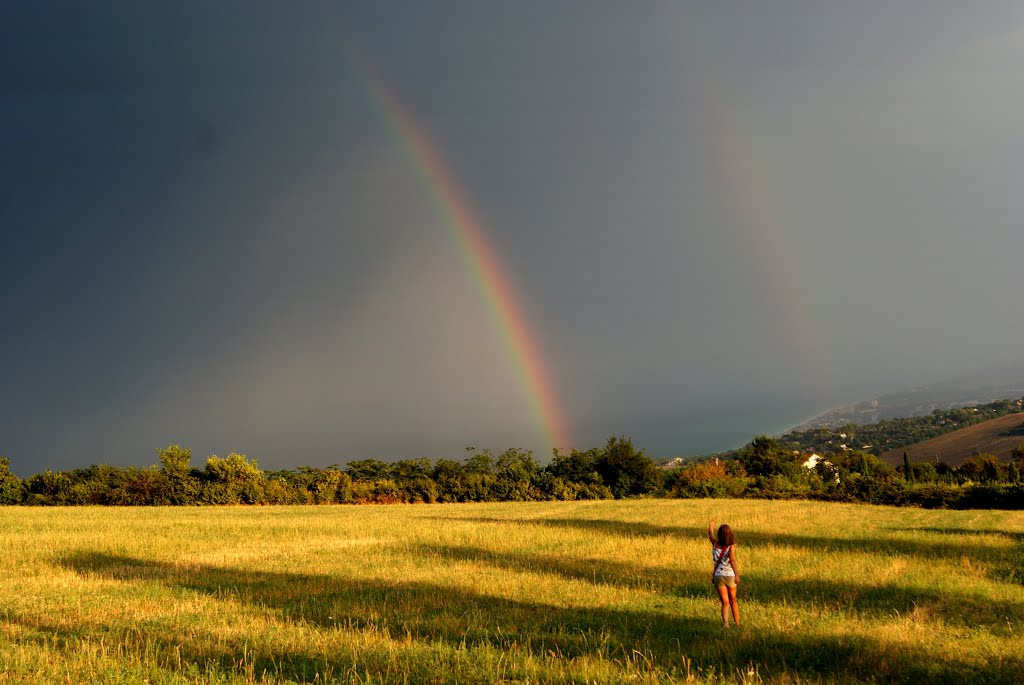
pixel 720 218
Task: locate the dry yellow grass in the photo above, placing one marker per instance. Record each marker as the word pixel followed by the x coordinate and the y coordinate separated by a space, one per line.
pixel 546 592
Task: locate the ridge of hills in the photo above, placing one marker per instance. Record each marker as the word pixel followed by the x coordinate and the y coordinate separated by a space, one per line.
pixel 949 435
pixel 970 390
pixel 997 436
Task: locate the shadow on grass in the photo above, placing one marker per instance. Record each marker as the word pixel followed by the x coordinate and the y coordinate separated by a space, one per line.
pixel 850 599
pixel 980 534
pixel 458 619
pixel 202 655
pixel 817 543
pixel 427 612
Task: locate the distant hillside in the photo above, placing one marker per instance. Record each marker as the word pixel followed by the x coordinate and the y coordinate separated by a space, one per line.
pixel 998 437
pixel 892 434
pixel 997 382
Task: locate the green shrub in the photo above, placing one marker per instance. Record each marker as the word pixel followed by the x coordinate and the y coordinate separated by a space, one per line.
pixel 992 496
pixel 704 479
pixel 763 457
pixel 594 491
pixel 778 487
pixel 423 489
pixel 934 496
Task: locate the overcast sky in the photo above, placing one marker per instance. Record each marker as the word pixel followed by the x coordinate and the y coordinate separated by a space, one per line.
pixel 719 218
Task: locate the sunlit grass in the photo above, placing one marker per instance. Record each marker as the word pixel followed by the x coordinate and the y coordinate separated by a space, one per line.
pixel 546 592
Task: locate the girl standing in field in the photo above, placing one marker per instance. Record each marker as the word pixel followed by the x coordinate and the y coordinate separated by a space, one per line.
pixel 726 575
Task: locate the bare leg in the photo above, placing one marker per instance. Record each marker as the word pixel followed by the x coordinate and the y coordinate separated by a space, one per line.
pixel 723 594
pixel 734 604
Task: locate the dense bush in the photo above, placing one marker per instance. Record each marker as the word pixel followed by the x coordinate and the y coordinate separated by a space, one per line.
pixel 626 470
pixel 764 458
pixel 232 480
pixel 935 496
pixel 992 496
pixel 705 479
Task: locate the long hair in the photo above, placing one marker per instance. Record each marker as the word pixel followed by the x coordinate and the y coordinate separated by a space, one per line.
pixel 725 536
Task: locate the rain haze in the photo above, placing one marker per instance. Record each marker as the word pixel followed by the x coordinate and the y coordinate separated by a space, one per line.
pixel 313 232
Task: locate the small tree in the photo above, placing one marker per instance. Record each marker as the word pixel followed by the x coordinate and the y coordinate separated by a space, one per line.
pixel 575 467
pixel 924 472
pixel 626 470
pixel 141 486
pixel 908 470
pixel 233 480
pixel 764 457
pixel 49 487
pixel 450 478
pixel 516 474
pixel 178 484
pixel 1012 473
pixel 479 480
pixel 479 463
pixel 982 468
pixel 12 489
pixel 368 470
pixel 410 470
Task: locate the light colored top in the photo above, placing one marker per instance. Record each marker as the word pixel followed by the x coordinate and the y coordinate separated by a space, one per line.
pixel 725 568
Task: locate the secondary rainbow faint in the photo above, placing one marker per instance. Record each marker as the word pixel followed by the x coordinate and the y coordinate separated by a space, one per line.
pixel 476 251
pixel 747 175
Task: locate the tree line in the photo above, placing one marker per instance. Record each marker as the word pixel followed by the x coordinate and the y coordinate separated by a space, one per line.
pixel 618 470
pixel 764 468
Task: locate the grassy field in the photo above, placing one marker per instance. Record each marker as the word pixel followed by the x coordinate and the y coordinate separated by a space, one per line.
pixel 996 437
pixel 597 592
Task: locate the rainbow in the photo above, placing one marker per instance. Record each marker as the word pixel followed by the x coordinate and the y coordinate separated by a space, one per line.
pixel 477 254
pixel 757 214
pixel 766 240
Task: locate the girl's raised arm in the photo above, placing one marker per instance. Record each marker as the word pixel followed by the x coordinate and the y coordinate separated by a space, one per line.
pixel 711 532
